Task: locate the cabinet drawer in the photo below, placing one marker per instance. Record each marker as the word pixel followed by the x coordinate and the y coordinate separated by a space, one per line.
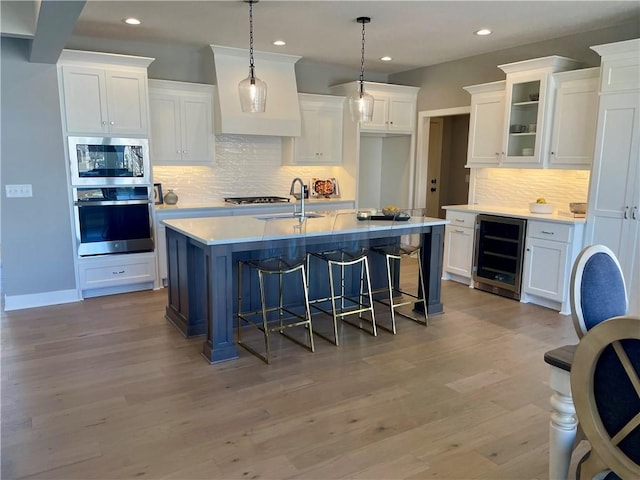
pixel 461 219
pixel 558 232
pixel 109 272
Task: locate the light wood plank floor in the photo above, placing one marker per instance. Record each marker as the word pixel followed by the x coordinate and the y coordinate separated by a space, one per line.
pixel 108 389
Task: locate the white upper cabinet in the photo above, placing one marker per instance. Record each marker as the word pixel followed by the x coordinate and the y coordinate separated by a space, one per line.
pixel 394 107
pixel 104 94
pixel 486 124
pixel 181 123
pixel 528 109
pixel 574 119
pixel 321 139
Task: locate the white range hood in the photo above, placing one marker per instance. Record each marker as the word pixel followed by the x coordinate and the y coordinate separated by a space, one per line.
pixel 282 115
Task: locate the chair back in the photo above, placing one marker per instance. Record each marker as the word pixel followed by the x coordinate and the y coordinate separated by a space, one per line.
pixel 598 290
pixel 346 233
pixel 292 250
pixel 605 385
pixel 404 216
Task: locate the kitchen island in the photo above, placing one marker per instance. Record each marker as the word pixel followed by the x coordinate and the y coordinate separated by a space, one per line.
pixel 203 254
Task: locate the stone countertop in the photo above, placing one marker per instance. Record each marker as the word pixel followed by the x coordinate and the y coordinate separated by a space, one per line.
pixel 250 228
pixel 312 202
pixel 515 212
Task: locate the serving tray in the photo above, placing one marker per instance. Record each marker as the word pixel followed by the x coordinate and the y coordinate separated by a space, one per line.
pixel 398 218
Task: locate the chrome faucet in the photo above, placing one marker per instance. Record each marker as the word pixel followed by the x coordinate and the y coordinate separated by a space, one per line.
pixel 293 187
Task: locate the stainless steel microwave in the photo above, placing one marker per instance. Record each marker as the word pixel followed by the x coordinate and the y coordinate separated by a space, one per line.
pixel 109 161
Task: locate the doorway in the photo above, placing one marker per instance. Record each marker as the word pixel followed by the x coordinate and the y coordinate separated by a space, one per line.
pixel 441 178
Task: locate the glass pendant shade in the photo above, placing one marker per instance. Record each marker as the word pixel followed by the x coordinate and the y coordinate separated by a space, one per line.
pixel 361 106
pixel 253 94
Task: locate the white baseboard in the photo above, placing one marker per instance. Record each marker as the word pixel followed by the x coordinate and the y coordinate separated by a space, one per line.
pixel 19 302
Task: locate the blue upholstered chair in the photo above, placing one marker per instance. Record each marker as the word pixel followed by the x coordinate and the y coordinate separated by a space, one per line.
pixel 605 384
pixel 598 290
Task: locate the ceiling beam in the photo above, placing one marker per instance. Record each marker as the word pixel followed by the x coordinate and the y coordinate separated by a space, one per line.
pixel 55 24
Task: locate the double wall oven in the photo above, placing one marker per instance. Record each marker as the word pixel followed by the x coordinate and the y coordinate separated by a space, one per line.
pixel 112 195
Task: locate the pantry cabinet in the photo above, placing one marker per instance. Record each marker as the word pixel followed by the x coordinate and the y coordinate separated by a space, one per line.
pixel 105 101
pixel 459 243
pixel 613 216
pixel 574 119
pixel 486 124
pixel 181 123
pixel 320 142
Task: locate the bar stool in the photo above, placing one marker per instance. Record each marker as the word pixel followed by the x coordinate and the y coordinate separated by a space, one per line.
pixel 409 246
pixel 350 252
pixel 277 261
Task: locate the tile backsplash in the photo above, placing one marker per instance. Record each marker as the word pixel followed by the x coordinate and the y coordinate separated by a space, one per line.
pixel 245 165
pixel 516 188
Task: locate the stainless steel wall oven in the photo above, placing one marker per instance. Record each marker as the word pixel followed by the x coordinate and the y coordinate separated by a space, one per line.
pixel 498 255
pixel 113 219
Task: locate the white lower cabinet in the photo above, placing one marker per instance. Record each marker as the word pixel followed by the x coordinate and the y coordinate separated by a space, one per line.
pixel 550 250
pixel 108 274
pixel 458 247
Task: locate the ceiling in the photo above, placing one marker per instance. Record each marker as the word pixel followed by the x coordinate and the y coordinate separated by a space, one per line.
pixel 413 33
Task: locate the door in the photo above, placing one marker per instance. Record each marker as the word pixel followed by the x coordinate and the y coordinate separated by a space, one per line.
pixel 85 99
pixel 433 169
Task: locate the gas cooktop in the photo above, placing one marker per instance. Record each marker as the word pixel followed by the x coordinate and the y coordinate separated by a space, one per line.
pixel 263 199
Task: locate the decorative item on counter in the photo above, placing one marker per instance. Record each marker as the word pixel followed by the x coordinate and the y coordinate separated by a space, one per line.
pixel 517 128
pixel 534 97
pixel 324 187
pixel 157 194
pixel 541 206
pixel 578 207
pixel 531 128
pixel 171 198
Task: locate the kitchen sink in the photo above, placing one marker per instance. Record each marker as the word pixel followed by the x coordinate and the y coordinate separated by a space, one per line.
pixel 274 216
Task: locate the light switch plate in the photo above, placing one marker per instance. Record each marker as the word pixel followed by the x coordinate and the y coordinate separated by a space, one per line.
pixel 18 191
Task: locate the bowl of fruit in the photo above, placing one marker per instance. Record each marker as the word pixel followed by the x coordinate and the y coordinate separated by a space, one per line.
pixel 541 206
pixel 390 211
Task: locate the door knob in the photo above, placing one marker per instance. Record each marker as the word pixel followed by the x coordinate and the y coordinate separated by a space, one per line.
pixel 433 189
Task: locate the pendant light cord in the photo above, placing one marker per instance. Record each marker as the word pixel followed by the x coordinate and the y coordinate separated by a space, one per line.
pixel 251 63
pixel 364 21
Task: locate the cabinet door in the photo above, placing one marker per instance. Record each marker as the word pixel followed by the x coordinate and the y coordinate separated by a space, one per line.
pixel 85 100
pixel 402 114
pixel 458 250
pixel 524 113
pixel 308 145
pixel 486 129
pixel 166 129
pixel 544 268
pixel 197 129
pixel 321 139
pixel 380 115
pixel 127 102
pixel 574 124
pixel 613 191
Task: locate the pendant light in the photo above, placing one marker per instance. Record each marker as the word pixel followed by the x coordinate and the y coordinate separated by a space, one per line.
pixel 253 91
pixel 360 102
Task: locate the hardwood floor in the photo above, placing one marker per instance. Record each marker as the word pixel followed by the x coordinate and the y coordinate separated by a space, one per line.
pixel 108 389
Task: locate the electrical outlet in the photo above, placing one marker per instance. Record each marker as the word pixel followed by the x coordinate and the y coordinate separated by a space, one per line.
pixel 18 191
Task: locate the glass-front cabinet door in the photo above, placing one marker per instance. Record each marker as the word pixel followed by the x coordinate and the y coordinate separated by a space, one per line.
pixel 529 108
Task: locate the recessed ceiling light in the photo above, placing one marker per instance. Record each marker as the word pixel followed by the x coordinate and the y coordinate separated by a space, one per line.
pixel 279 43
pixel 386 59
pixel 483 31
pixel 132 21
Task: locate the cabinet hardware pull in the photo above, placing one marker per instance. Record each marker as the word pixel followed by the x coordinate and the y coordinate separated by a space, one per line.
pixel 104 122
pixel 459 231
pixel 459 220
pixel 633 212
pixel 112 123
pixel 118 273
pixel 626 212
pixel 546 233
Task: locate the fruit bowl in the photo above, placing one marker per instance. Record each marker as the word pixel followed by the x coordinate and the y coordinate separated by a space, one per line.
pixel 390 211
pixel 535 207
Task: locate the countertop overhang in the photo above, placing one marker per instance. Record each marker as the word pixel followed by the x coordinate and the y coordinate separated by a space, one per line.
pixel 514 212
pixel 251 228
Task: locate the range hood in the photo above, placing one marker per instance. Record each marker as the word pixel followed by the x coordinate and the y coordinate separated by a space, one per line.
pixel 282 115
